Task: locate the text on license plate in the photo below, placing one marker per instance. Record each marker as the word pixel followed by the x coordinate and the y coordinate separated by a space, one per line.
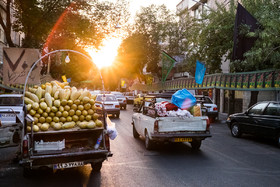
pixel 8 117
pixel 182 139
pixel 68 165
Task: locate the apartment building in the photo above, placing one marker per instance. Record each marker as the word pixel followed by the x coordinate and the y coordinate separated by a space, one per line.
pixel 16 36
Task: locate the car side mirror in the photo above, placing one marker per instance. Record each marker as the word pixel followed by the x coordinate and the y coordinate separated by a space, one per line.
pixel 246 112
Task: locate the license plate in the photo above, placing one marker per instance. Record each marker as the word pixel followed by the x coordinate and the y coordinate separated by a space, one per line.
pixel 8 117
pixel 68 165
pixel 109 106
pixel 182 139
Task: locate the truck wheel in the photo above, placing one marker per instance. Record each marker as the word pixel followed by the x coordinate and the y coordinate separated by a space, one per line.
pixel 196 144
pixel 135 133
pixel 148 142
pixel 235 130
pixel 96 167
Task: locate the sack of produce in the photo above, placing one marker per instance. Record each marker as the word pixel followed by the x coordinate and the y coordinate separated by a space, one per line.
pixel 183 99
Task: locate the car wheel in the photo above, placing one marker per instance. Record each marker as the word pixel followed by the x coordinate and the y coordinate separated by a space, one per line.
pixel 135 133
pixel 124 107
pixel 118 115
pixel 96 167
pixel 196 144
pixel 148 142
pixel 235 130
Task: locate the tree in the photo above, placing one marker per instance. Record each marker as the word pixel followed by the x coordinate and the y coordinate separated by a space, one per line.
pixel 265 53
pixel 5 22
pixel 132 56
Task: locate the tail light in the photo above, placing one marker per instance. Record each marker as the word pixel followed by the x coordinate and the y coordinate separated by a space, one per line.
pixel 207 124
pixel 156 126
pixel 107 141
pixel 117 106
pixel 215 108
pixel 25 148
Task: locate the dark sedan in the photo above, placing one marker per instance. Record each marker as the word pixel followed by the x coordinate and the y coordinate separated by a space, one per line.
pixel 262 119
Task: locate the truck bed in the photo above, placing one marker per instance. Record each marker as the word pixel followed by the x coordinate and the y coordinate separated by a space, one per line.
pixel 179 124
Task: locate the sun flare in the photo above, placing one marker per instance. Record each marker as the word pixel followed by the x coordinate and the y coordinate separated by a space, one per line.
pixel 107 53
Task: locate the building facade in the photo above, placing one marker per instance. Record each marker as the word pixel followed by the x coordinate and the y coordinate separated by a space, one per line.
pixel 15 36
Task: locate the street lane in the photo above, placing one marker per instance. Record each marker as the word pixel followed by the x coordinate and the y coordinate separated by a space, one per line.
pixel 221 161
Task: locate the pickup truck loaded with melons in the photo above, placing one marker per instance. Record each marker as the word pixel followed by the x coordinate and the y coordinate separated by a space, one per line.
pixel 66 130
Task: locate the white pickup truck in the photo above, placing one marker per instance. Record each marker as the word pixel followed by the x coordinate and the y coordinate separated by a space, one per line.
pixel 148 124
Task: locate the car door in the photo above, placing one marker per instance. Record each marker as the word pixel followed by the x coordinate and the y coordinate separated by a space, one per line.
pixel 255 115
pixel 270 120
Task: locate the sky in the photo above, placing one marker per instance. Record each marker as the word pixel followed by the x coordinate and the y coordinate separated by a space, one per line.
pixel 136 4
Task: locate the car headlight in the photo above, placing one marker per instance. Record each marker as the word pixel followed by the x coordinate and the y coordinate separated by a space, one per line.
pixel 228 119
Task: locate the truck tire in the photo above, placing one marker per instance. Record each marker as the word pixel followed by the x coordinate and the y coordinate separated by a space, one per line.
pixel 235 130
pixel 149 144
pixel 135 133
pixel 96 167
pixel 196 144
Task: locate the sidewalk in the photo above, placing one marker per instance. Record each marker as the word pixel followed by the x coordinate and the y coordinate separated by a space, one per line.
pixel 222 117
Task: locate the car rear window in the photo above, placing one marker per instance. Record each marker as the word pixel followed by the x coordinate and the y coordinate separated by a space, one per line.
pixel 107 98
pixel 204 99
pixel 119 96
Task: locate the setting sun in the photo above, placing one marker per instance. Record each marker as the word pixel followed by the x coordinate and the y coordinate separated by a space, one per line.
pixel 107 53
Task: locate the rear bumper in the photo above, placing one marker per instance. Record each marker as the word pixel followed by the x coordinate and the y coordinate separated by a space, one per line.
pixel 171 136
pixel 113 111
pixel 51 159
pixel 122 104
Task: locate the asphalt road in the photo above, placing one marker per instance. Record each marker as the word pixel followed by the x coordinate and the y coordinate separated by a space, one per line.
pixel 221 161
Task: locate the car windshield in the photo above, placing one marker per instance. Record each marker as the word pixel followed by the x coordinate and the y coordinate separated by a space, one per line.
pixel 107 98
pixel 11 101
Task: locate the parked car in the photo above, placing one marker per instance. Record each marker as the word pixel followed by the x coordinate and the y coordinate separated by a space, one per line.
pixel 111 104
pixel 122 100
pixel 211 108
pixel 129 97
pixel 261 119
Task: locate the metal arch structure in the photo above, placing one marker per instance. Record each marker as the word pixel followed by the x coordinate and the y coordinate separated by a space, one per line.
pixel 52 52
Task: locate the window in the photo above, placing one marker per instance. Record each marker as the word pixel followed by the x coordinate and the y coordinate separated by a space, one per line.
pixel 107 98
pixel 257 109
pixel 272 109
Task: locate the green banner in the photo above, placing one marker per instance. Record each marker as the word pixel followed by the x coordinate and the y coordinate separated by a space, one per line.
pixel 167 64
